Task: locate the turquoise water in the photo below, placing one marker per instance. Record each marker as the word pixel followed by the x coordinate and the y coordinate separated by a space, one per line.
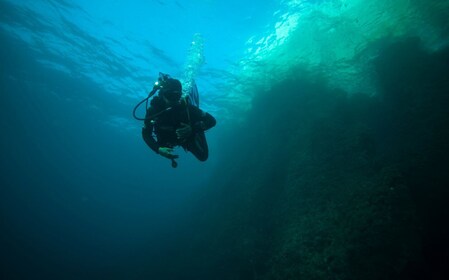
pixel 122 46
pixel 323 108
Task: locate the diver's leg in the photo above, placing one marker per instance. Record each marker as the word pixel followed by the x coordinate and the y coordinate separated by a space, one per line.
pixel 198 146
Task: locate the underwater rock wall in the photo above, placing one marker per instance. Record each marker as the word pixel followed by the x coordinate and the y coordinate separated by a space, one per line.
pixel 335 187
pixel 321 185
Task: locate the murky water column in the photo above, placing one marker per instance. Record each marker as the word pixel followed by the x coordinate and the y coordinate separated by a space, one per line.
pixel 195 59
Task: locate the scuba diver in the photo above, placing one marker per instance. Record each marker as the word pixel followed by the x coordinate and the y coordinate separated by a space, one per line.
pixel 173 120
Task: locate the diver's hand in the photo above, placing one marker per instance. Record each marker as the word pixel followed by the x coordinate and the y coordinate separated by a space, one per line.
pixel 167 152
pixel 184 132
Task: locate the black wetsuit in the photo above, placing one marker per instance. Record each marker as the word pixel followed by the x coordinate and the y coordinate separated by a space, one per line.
pixel 164 121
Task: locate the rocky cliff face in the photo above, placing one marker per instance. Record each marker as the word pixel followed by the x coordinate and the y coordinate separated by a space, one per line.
pixel 321 185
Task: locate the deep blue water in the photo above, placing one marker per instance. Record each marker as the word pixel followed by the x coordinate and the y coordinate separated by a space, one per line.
pixel 82 196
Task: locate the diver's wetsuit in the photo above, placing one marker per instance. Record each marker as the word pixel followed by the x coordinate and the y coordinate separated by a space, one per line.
pixel 164 123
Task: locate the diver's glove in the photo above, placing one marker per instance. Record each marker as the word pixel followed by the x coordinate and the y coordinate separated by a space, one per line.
pixel 167 152
pixel 184 132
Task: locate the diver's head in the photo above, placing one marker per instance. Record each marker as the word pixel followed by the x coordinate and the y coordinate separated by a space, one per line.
pixel 171 90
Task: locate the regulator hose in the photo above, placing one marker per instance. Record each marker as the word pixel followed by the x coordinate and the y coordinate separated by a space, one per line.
pixel 146 105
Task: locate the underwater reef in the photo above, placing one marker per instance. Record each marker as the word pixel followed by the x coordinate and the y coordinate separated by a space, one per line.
pixel 321 185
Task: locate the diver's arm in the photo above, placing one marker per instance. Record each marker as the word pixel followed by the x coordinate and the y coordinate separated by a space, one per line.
pixel 147 135
pixel 151 142
pixel 147 132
